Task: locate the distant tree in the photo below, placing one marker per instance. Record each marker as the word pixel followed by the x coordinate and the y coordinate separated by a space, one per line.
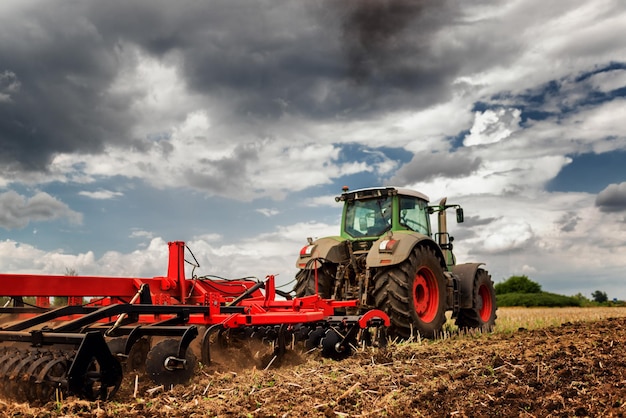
pixel 599 296
pixel 584 301
pixel 62 300
pixel 517 284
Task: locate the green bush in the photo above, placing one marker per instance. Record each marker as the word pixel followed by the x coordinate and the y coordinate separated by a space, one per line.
pixel 517 284
pixel 536 299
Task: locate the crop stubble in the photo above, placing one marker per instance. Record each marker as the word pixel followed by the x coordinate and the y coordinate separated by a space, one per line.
pixel 577 368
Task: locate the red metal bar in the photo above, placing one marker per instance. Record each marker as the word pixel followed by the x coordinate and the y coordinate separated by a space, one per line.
pixel 48 285
pixel 176 267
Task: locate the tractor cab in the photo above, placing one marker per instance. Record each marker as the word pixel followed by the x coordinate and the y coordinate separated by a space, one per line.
pixel 370 213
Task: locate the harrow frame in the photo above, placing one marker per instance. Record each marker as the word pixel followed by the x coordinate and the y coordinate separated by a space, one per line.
pixel 67 348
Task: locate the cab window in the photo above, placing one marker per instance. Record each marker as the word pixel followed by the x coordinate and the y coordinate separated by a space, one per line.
pixel 414 214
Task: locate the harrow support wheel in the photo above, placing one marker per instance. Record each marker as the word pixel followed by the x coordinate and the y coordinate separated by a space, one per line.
pixel 94 373
pixel 483 314
pixel 95 385
pixel 165 368
pixel 413 294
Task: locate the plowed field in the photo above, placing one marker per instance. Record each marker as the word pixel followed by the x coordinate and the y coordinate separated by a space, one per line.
pixel 574 369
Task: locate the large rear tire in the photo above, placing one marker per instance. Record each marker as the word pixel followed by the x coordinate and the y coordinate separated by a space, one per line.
pixel 413 294
pixel 483 314
pixel 305 281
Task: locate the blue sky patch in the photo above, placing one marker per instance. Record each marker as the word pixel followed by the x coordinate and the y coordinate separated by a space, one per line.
pixel 590 173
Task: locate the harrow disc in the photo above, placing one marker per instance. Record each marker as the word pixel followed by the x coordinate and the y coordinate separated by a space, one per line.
pixel 33 375
pixel 136 360
pixel 52 378
pixel 165 368
pixel 39 375
pixel 28 381
pixel 117 346
pixel 332 347
pixel 16 376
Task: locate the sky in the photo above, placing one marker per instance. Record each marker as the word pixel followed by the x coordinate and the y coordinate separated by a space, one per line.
pixel 231 125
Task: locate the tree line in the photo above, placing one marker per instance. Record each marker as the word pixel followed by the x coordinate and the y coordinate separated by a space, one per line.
pixel 521 291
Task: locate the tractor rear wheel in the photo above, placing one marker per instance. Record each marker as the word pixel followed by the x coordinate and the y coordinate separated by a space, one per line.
pixel 305 281
pixel 483 314
pixel 413 294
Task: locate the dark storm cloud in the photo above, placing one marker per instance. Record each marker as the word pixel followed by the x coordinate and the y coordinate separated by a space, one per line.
pixel 272 57
pixel 612 199
pixel 258 60
pixel 374 31
pixel 17 211
pixel 62 66
pixel 426 166
pixel 219 176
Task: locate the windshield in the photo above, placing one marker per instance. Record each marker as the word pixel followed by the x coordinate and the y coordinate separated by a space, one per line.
pixel 368 218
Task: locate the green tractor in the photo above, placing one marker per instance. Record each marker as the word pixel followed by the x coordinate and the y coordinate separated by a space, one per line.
pixel 388 258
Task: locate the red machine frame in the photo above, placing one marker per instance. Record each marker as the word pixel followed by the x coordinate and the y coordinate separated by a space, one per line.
pixel 169 306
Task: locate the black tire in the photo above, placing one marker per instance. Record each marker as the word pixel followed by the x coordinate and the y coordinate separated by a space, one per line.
pixel 413 294
pixel 483 314
pixel 305 281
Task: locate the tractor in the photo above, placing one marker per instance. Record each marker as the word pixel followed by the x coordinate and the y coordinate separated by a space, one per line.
pixel 388 257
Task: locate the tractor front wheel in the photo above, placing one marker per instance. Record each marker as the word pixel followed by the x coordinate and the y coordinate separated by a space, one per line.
pixel 483 314
pixel 305 281
pixel 413 294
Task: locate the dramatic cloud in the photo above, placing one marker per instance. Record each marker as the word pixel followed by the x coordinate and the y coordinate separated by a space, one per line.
pixel 233 124
pixel 613 198
pixel 426 166
pixel 17 211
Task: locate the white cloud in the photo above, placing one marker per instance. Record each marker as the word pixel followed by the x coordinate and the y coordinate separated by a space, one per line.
pixel 100 194
pixel 507 235
pixel 326 200
pixel 504 53
pixel 492 126
pixel 272 253
pixel 268 212
pixel 608 81
pixel 138 233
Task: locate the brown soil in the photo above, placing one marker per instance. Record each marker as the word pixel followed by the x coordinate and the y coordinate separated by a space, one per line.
pixel 573 370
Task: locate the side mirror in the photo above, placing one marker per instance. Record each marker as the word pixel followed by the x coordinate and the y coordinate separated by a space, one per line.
pixel 459 215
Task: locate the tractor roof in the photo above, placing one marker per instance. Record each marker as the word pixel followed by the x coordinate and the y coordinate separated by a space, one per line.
pixel 380 191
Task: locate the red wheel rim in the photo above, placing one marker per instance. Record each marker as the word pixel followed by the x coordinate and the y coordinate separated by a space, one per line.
pixel 426 295
pixel 487 305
